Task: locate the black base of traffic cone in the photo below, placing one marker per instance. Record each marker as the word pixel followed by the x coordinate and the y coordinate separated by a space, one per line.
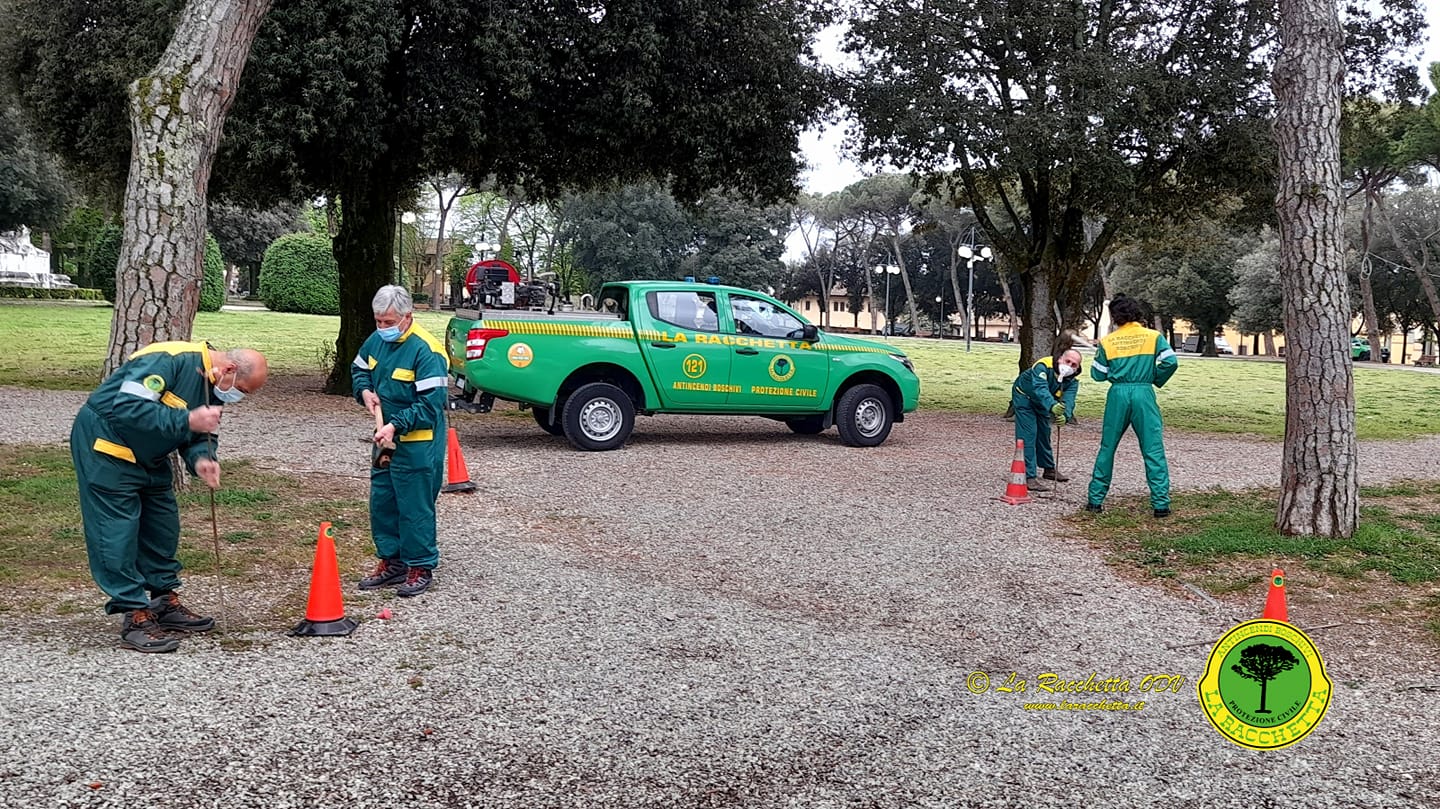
pixel 321 629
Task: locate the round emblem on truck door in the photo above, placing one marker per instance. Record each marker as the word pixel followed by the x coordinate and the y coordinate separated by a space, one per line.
pixel 694 366
pixel 521 355
pixel 782 368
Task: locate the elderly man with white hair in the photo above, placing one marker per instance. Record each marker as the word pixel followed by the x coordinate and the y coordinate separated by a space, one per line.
pixel 401 369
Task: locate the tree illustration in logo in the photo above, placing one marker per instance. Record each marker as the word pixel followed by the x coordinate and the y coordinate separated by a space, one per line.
pixel 1262 663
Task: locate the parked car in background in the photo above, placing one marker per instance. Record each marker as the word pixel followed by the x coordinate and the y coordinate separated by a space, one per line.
pixel 1360 350
pixel 1192 345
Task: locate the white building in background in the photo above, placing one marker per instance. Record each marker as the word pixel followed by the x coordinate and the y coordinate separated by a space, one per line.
pixel 22 264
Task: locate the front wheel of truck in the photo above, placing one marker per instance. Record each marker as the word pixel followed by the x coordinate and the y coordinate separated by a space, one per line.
pixel 863 416
pixel 597 417
pixel 542 418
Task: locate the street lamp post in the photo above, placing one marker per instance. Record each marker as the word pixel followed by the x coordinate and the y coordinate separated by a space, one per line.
pixel 889 270
pixel 407 218
pixel 968 252
pixel 940 327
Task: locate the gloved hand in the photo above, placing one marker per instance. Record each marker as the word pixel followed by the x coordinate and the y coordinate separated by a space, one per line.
pixel 1058 411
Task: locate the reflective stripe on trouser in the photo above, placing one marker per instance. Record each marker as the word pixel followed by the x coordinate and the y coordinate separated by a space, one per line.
pixel 402 503
pixel 1132 405
pixel 1032 425
pixel 130 519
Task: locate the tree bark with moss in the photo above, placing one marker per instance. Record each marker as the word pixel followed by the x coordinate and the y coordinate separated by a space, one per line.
pixel 177 112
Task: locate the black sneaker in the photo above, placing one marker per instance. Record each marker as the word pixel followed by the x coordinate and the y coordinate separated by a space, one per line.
pixel 1162 513
pixel 171 614
pixel 1093 508
pixel 417 581
pixel 140 632
pixel 1055 475
pixel 388 572
pixel 1034 485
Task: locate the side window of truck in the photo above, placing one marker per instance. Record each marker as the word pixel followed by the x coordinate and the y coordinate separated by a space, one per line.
pixel 754 316
pixel 688 309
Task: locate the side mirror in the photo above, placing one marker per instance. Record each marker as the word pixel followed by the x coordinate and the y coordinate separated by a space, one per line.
pixel 809 333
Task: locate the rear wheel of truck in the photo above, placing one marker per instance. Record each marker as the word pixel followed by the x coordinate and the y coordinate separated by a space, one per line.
pixel 807 425
pixel 863 416
pixel 542 418
pixel 598 416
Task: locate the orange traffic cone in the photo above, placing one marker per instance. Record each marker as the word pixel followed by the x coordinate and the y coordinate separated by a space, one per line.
pixel 459 476
pixel 325 611
pixel 1275 601
pixel 1016 492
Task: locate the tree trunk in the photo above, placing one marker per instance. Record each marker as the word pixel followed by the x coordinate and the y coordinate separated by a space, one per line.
pixel 1269 343
pixel 1039 325
pixel 1319 487
pixel 1367 290
pixel 177 113
pixel 1009 302
pixel 362 249
pixel 905 280
pixel 870 295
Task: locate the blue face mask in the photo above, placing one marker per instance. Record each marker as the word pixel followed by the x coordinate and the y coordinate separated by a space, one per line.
pixel 229 396
pixel 389 334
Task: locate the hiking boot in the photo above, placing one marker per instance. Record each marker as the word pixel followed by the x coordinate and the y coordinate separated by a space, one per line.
pixel 1162 513
pixel 1093 508
pixel 388 572
pixel 171 614
pixel 1055 475
pixel 139 631
pixel 417 581
pixel 1034 485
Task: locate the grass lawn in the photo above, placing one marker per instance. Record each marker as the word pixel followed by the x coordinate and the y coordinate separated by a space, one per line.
pixel 267 527
pixel 1225 543
pixel 61 346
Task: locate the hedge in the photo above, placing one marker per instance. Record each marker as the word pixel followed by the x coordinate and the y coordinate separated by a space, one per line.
pixel 37 293
pixel 212 290
pixel 298 274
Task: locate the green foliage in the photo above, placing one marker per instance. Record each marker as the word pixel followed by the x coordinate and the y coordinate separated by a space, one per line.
pixel 100 264
pixel 32 189
pixel 1256 295
pixel 33 293
pixel 212 288
pixel 72 241
pixel 299 274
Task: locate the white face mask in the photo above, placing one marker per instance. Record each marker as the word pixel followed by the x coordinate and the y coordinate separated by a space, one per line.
pixel 1067 370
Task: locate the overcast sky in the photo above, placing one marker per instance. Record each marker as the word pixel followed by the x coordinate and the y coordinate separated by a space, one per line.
pixel 830 172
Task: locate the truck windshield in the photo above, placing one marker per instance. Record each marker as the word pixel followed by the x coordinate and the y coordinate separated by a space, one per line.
pixel 755 316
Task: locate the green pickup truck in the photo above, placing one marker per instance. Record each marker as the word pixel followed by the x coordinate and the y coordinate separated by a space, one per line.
pixel 677 347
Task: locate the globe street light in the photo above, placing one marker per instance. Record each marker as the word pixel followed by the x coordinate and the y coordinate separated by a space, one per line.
pixel 968 252
pixel 940 327
pixel 889 270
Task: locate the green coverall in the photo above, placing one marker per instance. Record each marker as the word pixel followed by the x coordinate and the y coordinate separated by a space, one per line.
pixel 1135 360
pixel 120 442
pixel 411 378
pixel 1036 390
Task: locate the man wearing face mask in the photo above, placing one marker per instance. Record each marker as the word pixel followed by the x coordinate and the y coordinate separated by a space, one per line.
pixel 402 369
pixel 166 398
pixel 1044 391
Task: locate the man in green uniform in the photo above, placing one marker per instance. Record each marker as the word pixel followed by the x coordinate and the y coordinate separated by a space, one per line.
pixel 1134 360
pixel 1044 390
pixel 402 370
pixel 163 399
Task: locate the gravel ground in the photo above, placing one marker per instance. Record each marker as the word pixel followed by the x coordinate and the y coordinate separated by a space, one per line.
pixel 721 614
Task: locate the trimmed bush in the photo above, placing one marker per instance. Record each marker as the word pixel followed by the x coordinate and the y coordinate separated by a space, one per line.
pixel 34 293
pixel 212 289
pixel 100 263
pixel 299 274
